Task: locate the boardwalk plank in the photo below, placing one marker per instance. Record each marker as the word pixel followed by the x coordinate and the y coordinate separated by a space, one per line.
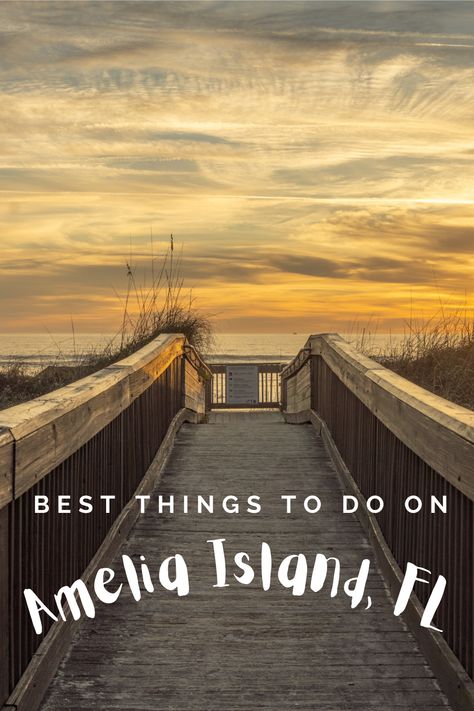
pixel 240 647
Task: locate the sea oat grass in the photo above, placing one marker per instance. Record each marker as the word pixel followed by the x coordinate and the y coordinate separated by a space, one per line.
pixel 437 354
pixel 148 311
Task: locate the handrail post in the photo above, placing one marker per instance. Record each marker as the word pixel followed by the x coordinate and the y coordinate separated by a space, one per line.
pixel 208 394
pixel 313 376
pixel 5 617
pixel 283 392
pixel 183 379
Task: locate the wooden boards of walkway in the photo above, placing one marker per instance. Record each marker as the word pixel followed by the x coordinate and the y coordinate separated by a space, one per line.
pixel 240 647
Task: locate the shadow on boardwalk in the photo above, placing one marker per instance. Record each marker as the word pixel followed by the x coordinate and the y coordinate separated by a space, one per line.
pixel 240 647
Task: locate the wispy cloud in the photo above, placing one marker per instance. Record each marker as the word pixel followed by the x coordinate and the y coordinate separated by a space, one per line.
pixel 306 153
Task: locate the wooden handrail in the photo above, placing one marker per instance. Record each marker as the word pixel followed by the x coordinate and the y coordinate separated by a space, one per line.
pixel 392 438
pixel 50 428
pixel 108 433
pixel 295 365
pixel 6 466
pixel 195 358
pixel 438 431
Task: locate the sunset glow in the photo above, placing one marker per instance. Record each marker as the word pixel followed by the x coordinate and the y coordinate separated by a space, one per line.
pixel 314 160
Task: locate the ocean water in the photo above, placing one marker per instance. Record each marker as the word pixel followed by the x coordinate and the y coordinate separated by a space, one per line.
pixel 37 350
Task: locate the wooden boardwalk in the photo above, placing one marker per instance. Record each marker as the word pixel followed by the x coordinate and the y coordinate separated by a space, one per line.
pixel 240 647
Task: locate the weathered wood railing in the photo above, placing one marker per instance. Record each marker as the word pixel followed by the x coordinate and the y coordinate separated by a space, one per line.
pixel 393 439
pixel 98 436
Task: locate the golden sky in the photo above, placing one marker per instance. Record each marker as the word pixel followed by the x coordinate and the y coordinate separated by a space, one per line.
pixel 315 159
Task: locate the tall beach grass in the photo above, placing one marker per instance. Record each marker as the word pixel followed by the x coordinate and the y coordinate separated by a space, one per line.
pixel 148 310
pixel 436 353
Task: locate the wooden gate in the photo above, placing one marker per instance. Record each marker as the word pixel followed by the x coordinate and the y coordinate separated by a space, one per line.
pixel 267 390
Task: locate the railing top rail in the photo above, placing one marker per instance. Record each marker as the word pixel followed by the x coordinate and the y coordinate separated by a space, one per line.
pixel 297 363
pixel 196 359
pixel 24 418
pixel 460 418
pixel 274 367
pixel 53 426
pixel 439 431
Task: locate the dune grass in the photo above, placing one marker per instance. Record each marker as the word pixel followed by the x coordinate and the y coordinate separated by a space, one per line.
pixel 162 306
pixel 438 354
